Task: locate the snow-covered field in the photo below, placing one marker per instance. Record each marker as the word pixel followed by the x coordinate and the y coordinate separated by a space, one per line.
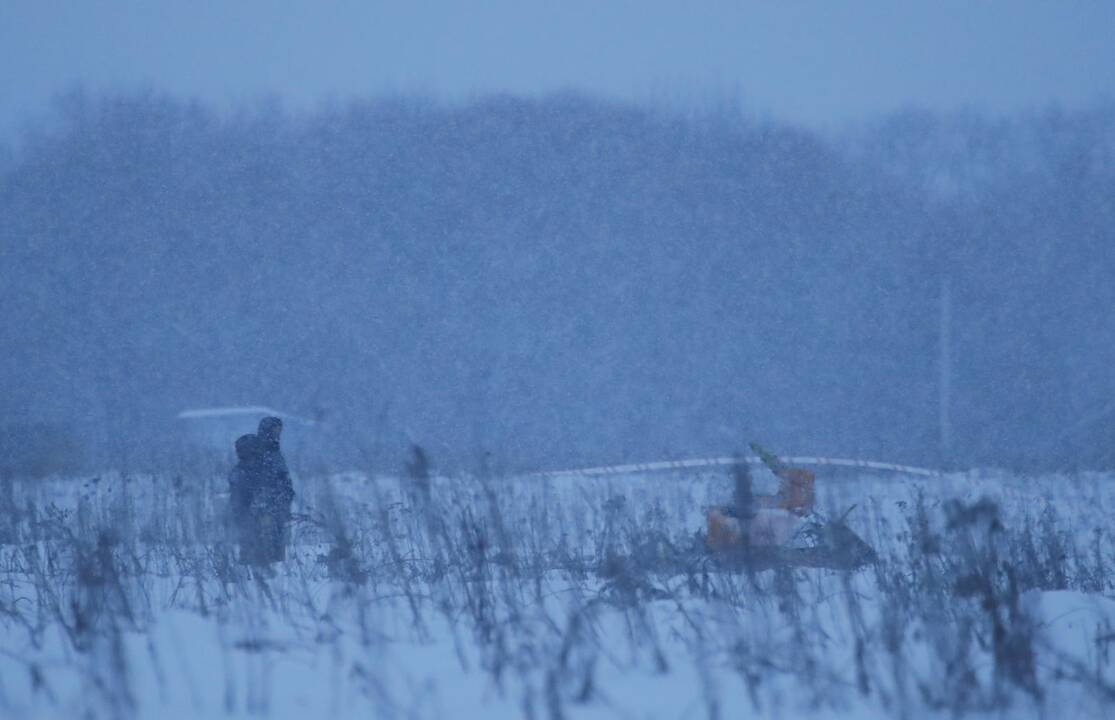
pixel 510 597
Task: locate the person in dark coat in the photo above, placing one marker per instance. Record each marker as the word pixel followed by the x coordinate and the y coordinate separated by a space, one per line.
pixel 244 483
pixel 260 496
pixel 418 470
pixel 743 497
pixel 270 429
pixel 272 501
pixel 244 476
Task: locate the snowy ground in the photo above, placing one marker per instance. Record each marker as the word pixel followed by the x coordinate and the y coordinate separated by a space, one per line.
pixel 516 597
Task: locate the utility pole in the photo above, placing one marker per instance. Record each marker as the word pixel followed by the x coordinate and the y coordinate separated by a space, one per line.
pixel 944 383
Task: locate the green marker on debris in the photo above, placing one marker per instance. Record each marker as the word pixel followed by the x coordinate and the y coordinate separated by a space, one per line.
pixel 769 459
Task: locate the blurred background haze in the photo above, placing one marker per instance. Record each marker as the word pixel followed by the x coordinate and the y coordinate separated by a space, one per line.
pixel 543 235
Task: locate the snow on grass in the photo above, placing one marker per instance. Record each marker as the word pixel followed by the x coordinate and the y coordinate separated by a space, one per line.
pixel 122 597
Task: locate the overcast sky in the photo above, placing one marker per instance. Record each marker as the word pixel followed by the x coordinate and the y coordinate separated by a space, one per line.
pixel 821 64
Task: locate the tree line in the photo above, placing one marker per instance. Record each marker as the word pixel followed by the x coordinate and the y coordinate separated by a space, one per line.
pixel 545 282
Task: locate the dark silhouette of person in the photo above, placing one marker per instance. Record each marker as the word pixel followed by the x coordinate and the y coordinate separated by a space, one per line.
pixel 244 483
pixel 743 497
pixel 244 476
pixel 260 495
pixel 275 492
pixel 418 470
pixel 272 460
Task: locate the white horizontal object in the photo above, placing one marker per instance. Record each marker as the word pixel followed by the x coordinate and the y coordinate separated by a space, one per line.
pixel 662 465
pixel 232 412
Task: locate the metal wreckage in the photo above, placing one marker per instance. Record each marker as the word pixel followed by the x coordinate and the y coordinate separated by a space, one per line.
pixel 754 532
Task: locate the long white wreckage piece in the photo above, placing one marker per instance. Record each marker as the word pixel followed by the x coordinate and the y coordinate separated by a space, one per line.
pixel 688 464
